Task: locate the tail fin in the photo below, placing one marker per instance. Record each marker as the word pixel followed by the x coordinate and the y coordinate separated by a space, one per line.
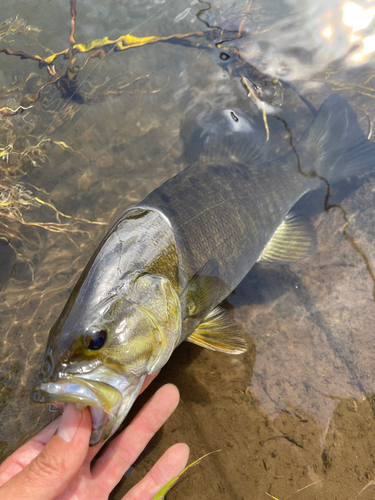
pixel 340 147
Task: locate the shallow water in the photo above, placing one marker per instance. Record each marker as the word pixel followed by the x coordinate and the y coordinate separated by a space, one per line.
pixel 294 415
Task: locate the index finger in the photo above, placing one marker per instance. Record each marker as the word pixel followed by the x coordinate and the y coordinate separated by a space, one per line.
pixel 126 448
pixel 95 449
pixel 48 474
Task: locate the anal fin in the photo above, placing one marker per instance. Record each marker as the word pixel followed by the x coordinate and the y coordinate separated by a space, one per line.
pixel 294 240
pixel 219 332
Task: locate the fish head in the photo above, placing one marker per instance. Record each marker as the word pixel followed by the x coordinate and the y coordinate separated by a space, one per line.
pixel 100 356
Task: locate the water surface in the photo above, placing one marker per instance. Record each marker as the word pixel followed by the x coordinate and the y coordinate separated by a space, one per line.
pixel 293 416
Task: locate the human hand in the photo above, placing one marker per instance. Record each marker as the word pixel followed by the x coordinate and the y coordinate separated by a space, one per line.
pixel 55 464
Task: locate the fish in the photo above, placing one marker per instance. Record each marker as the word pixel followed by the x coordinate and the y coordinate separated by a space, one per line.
pixel 161 272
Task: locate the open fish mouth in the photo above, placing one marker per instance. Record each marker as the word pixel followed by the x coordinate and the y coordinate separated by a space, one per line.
pixel 108 405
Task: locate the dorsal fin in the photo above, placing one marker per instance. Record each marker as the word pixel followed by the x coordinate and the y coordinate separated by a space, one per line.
pixel 238 148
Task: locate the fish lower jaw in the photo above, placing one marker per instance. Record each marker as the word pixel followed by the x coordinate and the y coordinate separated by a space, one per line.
pixel 102 422
pixel 108 404
pixel 102 425
pixel 82 394
pixel 60 406
pixel 80 406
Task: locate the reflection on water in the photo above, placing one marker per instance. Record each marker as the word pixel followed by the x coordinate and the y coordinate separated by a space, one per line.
pixel 295 411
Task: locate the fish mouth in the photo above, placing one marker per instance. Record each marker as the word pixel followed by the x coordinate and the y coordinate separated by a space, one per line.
pixel 108 400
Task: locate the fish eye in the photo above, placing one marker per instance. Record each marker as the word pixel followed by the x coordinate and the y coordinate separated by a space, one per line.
pixel 224 56
pixel 95 339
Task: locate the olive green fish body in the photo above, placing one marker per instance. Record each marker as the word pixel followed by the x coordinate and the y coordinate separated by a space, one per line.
pixel 226 214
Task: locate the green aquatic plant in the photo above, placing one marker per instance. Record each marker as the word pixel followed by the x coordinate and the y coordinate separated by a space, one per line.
pixel 67 83
pixel 216 38
pixel 11 27
pixel 15 155
pixel 15 198
pixel 161 494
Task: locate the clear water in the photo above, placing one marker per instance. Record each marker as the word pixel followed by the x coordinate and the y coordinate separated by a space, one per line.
pixel 294 416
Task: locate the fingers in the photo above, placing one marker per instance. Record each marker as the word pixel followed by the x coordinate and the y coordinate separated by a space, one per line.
pixel 95 449
pixel 166 468
pixel 148 381
pixel 24 455
pixel 124 450
pixel 53 468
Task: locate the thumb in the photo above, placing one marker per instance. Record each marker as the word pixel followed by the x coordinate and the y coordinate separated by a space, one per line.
pixel 50 472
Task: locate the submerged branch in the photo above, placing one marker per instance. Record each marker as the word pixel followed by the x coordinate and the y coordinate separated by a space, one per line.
pixel 72 22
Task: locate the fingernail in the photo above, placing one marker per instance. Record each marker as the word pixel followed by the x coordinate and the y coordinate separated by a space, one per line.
pixel 70 421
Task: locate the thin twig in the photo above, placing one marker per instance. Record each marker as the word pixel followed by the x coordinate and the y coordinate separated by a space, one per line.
pixel 72 22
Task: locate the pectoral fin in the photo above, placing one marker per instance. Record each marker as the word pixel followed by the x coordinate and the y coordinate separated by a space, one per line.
pixel 200 289
pixel 219 332
pixel 294 240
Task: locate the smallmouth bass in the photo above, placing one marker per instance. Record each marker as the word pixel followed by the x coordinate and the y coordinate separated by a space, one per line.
pixel 159 274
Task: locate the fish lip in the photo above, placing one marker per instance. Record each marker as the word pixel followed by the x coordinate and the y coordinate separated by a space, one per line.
pixel 107 413
pixel 79 389
pixel 65 391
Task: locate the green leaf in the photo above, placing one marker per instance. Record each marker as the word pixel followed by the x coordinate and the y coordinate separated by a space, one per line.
pixel 160 495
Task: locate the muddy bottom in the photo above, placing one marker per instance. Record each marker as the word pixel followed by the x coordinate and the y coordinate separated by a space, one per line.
pixel 292 456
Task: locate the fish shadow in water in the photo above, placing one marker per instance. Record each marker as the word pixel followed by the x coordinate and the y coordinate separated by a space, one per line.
pixel 265 283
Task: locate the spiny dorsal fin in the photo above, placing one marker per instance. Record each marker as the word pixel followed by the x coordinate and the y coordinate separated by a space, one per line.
pixel 294 240
pixel 219 332
pixel 236 148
